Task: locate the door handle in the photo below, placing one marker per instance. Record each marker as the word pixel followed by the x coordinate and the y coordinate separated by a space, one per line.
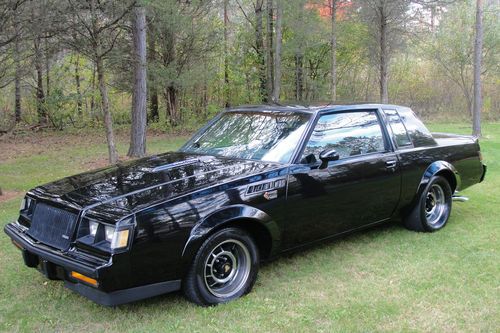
pixel 391 164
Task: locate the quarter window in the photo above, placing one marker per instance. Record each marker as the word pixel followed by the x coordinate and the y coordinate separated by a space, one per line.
pixel 349 133
pixel 401 137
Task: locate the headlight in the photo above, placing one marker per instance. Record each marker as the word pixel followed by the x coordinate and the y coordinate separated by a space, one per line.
pixel 26 203
pixel 109 233
pixel 103 236
pixel 93 226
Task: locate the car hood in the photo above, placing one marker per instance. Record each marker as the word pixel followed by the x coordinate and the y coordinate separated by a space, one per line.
pixel 130 186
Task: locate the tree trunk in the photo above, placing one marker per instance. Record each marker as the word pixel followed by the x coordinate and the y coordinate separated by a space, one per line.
pixel 384 95
pixel 172 105
pixel 139 95
pixel 47 67
pixel 108 121
pixel 259 48
pixel 78 86
pixel 226 55
pixel 40 96
pixel 478 48
pixel 333 10
pixel 92 97
pixel 299 75
pixel 277 53
pixel 269 51
pixel 153 92
pixel 17 74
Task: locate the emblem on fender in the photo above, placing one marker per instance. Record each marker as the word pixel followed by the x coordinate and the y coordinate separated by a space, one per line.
pixel 271 195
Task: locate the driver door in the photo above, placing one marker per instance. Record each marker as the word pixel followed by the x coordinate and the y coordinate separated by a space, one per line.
pixel 361 187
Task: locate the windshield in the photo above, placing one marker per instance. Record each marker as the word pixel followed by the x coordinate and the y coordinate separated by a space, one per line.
pixel 261 136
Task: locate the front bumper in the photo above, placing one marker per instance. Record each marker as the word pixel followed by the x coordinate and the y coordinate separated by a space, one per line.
pixel 56 264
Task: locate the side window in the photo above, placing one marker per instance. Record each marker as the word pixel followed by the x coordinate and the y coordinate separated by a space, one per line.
pixel 398 128
pixel 349 133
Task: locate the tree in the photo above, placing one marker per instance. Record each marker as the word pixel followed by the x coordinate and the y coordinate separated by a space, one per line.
pixel 97 25
pixel 478 50
pixel 17 61
pixel 259 46
pixel 226 53
pixel 277 52
pixel 187 38
pixel 333 13
pixel 151 60
pixel 139 94
pixel 269 51
pixel 385 19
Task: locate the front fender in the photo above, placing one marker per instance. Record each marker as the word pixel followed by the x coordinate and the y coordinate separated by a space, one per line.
pixel 225 216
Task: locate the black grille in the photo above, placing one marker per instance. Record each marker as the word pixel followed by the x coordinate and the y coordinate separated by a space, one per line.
pixel 52 226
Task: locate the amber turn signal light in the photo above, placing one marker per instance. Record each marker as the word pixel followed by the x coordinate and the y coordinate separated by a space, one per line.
pixel 19 246
pixel 84 278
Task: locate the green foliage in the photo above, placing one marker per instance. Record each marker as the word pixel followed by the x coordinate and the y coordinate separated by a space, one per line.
pixel 430 71
pixel 384 279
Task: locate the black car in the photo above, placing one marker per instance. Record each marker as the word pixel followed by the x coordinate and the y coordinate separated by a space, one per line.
pixel 253 183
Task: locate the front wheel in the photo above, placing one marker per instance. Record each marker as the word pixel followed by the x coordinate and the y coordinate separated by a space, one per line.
pixel 225 268
pixel 433 208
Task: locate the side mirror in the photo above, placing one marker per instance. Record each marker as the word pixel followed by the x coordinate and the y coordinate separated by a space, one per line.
pixel 328 155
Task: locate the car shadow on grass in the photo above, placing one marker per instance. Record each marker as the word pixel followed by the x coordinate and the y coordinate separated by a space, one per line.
pixel 304 253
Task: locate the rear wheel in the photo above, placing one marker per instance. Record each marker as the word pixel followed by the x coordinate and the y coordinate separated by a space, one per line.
pixel 225 268
pixel 433 208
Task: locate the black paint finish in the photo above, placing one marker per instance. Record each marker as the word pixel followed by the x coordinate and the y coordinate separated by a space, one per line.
pixel 175 200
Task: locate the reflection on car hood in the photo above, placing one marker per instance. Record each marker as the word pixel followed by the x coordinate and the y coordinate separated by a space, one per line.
pixel 129 186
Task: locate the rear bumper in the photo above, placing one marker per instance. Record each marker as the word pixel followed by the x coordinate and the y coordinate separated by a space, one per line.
pixel 484 173
pixel 56 264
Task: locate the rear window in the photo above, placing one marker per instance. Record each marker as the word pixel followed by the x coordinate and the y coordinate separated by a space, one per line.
pixel 401 137
pixel 419 134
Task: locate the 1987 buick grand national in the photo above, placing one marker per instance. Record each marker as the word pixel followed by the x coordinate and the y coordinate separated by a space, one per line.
pixel 253 183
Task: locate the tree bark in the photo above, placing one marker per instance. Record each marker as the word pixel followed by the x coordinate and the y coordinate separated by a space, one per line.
pixel 108 121
pixel 47 67
pixel 259 48
pixel 139 95
pixel 92 97
pixel 172 105
pixel 101 81
pixel 153 91
pixel 17 74
pixel 299 75
pixel 384 95
pixel 478 48
pixel 277 52
pixel 78 86
pixel 333 11
pixel 226 55
pixel 40 96
pixel 269 51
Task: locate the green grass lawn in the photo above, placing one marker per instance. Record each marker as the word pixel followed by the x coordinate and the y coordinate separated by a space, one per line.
pixel 383 279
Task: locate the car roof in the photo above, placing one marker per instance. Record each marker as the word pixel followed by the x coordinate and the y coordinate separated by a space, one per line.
pixel 308 109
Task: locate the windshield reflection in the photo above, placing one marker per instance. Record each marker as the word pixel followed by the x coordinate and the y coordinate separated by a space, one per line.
pixel 263 136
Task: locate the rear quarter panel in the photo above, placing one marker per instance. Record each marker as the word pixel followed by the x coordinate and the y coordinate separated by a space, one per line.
pixel 461 153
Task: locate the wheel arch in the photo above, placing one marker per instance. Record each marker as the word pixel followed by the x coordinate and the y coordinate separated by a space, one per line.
pixel 257 223
pixel 440 168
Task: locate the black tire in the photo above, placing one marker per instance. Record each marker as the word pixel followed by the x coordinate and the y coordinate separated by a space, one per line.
pixel 225 268
pixel 433 208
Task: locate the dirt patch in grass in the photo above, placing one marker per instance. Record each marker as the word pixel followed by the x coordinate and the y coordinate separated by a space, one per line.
pixel 32 143
pixel 25 142
pixel 7 195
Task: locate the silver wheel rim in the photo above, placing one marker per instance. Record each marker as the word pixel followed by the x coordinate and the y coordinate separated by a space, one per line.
pixel 227 268
pixel 435 205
